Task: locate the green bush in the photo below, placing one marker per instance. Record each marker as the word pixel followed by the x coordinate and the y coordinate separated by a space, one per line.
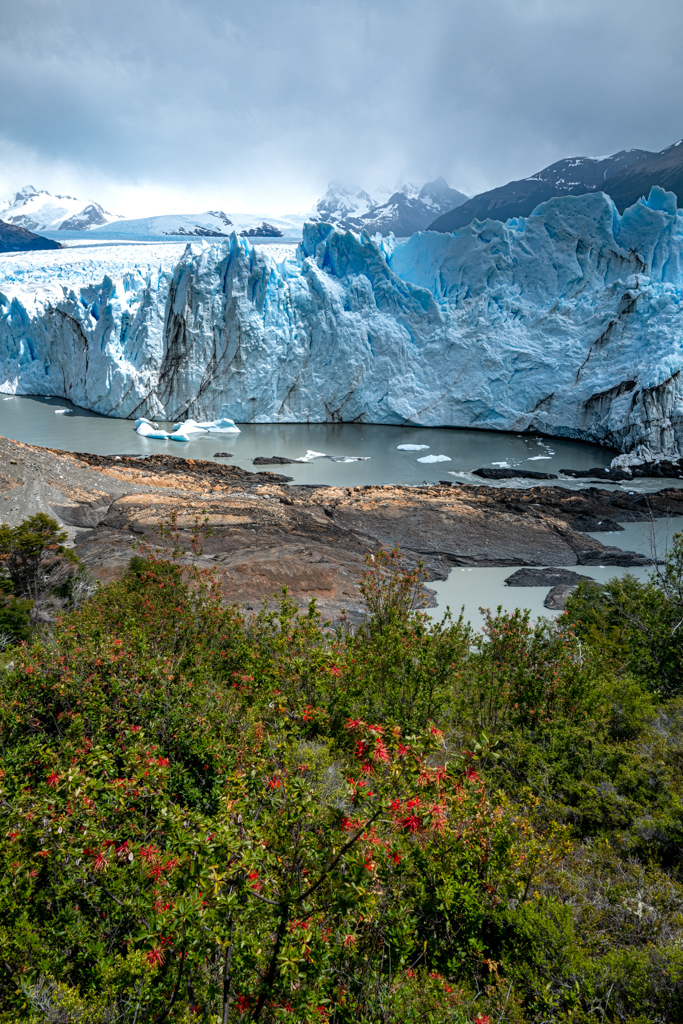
pixel 218 817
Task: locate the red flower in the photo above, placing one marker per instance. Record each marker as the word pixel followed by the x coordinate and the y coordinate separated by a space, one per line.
pixel 483 1019
pixel 412 823
pixel 353 723
pixel 163 761
pixel 156 956
pixel 243 1003
pixel 350 940
pixel 12 836
pixel 396 857
pixel 149 853
pixel 53 779
pixel 100 862
pixel 275 783
pixel 381 753
pixel 335 670
pixel 402 751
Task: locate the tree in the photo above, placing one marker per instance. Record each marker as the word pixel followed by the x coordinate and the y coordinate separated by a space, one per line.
pixel 34 557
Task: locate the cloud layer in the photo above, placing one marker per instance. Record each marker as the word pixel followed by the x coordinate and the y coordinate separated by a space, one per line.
pixel 151 104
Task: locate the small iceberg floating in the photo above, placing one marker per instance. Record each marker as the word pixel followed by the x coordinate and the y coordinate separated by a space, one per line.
pixel 348 458
pixel 310 456
pixel 61 411
pixel 535 458
pixel 435 458
pixel 184 431
pixel 412 447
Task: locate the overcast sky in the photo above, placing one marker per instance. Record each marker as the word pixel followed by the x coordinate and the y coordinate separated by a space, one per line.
pixel 158 106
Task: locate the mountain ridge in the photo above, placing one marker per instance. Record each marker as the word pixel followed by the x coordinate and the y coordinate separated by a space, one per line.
pixel 571 176
pixel 406 209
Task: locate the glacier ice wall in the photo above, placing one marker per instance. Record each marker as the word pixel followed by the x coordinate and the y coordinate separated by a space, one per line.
pixel 567 322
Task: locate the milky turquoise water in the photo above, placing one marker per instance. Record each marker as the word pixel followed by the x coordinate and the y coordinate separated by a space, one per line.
pixel 56 423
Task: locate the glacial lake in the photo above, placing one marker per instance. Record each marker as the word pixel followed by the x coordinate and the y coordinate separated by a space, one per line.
pixel 485 588
pixel 56 423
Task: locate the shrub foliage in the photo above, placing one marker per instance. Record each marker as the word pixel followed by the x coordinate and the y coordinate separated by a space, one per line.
pixel 214 816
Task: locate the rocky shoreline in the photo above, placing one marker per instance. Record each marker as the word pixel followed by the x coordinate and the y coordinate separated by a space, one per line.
pixel 266 533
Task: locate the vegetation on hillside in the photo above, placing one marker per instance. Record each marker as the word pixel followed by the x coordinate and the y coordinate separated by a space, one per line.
pixel 217 817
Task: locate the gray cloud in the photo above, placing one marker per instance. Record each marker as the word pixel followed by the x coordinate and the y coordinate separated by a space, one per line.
pixel 272 99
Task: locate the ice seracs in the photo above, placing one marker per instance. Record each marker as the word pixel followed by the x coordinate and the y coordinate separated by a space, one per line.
pixel 568 323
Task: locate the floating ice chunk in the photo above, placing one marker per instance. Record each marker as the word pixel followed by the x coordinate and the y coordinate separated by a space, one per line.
pixel 62 409
pixel 184 431
pixel 535 458
pixel 310 456
pixel 412 447
pixel 224 425
pixel 145 428
pixel 348 458
pixel 435 458
pixel 503 465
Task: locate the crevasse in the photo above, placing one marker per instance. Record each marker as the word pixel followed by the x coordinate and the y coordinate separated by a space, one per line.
pixel 567 322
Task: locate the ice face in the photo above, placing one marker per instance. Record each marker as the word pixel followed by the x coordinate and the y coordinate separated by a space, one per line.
pixel 569 322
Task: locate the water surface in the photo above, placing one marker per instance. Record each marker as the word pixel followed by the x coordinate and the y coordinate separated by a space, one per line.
pixel 56 423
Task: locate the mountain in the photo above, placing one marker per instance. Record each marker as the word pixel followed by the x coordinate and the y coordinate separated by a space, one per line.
pixel 574 176
pixel 16 239
pixel 665 169
pixel 211 224
pixel 404 210
pixel 567 323
pixel 37 210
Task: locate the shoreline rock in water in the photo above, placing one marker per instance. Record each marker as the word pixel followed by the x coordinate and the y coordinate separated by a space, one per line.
pixel 266 533
pixel 545 578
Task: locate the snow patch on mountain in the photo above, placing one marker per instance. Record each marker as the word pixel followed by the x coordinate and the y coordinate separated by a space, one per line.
pixel 37 210
pixel 568 322
pixel 211 224
pixel 400 211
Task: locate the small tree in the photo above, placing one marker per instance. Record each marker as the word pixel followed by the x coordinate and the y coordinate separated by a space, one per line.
pixel 33 556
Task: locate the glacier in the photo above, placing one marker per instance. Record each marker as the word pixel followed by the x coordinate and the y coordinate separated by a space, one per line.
pixel 568 322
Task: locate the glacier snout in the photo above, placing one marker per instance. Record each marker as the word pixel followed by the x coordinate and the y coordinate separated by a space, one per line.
pixel 566 322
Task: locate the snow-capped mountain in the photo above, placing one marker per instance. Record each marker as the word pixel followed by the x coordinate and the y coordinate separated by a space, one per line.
pixel 567 323
pixel 37 210
pixel 211 224
pixel 573 176
pixel 402 210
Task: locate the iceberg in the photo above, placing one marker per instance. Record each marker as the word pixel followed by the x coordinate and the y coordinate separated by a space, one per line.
pixel 219 426
pixel 435 458
pixel 183 431
pixel 568 322
pixel 412 447
pixel 311 456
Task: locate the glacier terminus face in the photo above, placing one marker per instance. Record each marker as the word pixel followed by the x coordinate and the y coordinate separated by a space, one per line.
pixel 568 322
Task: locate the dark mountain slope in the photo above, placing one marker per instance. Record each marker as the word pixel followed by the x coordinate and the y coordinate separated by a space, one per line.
pixel 573 176
pixel 16 239
pixel 665 169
